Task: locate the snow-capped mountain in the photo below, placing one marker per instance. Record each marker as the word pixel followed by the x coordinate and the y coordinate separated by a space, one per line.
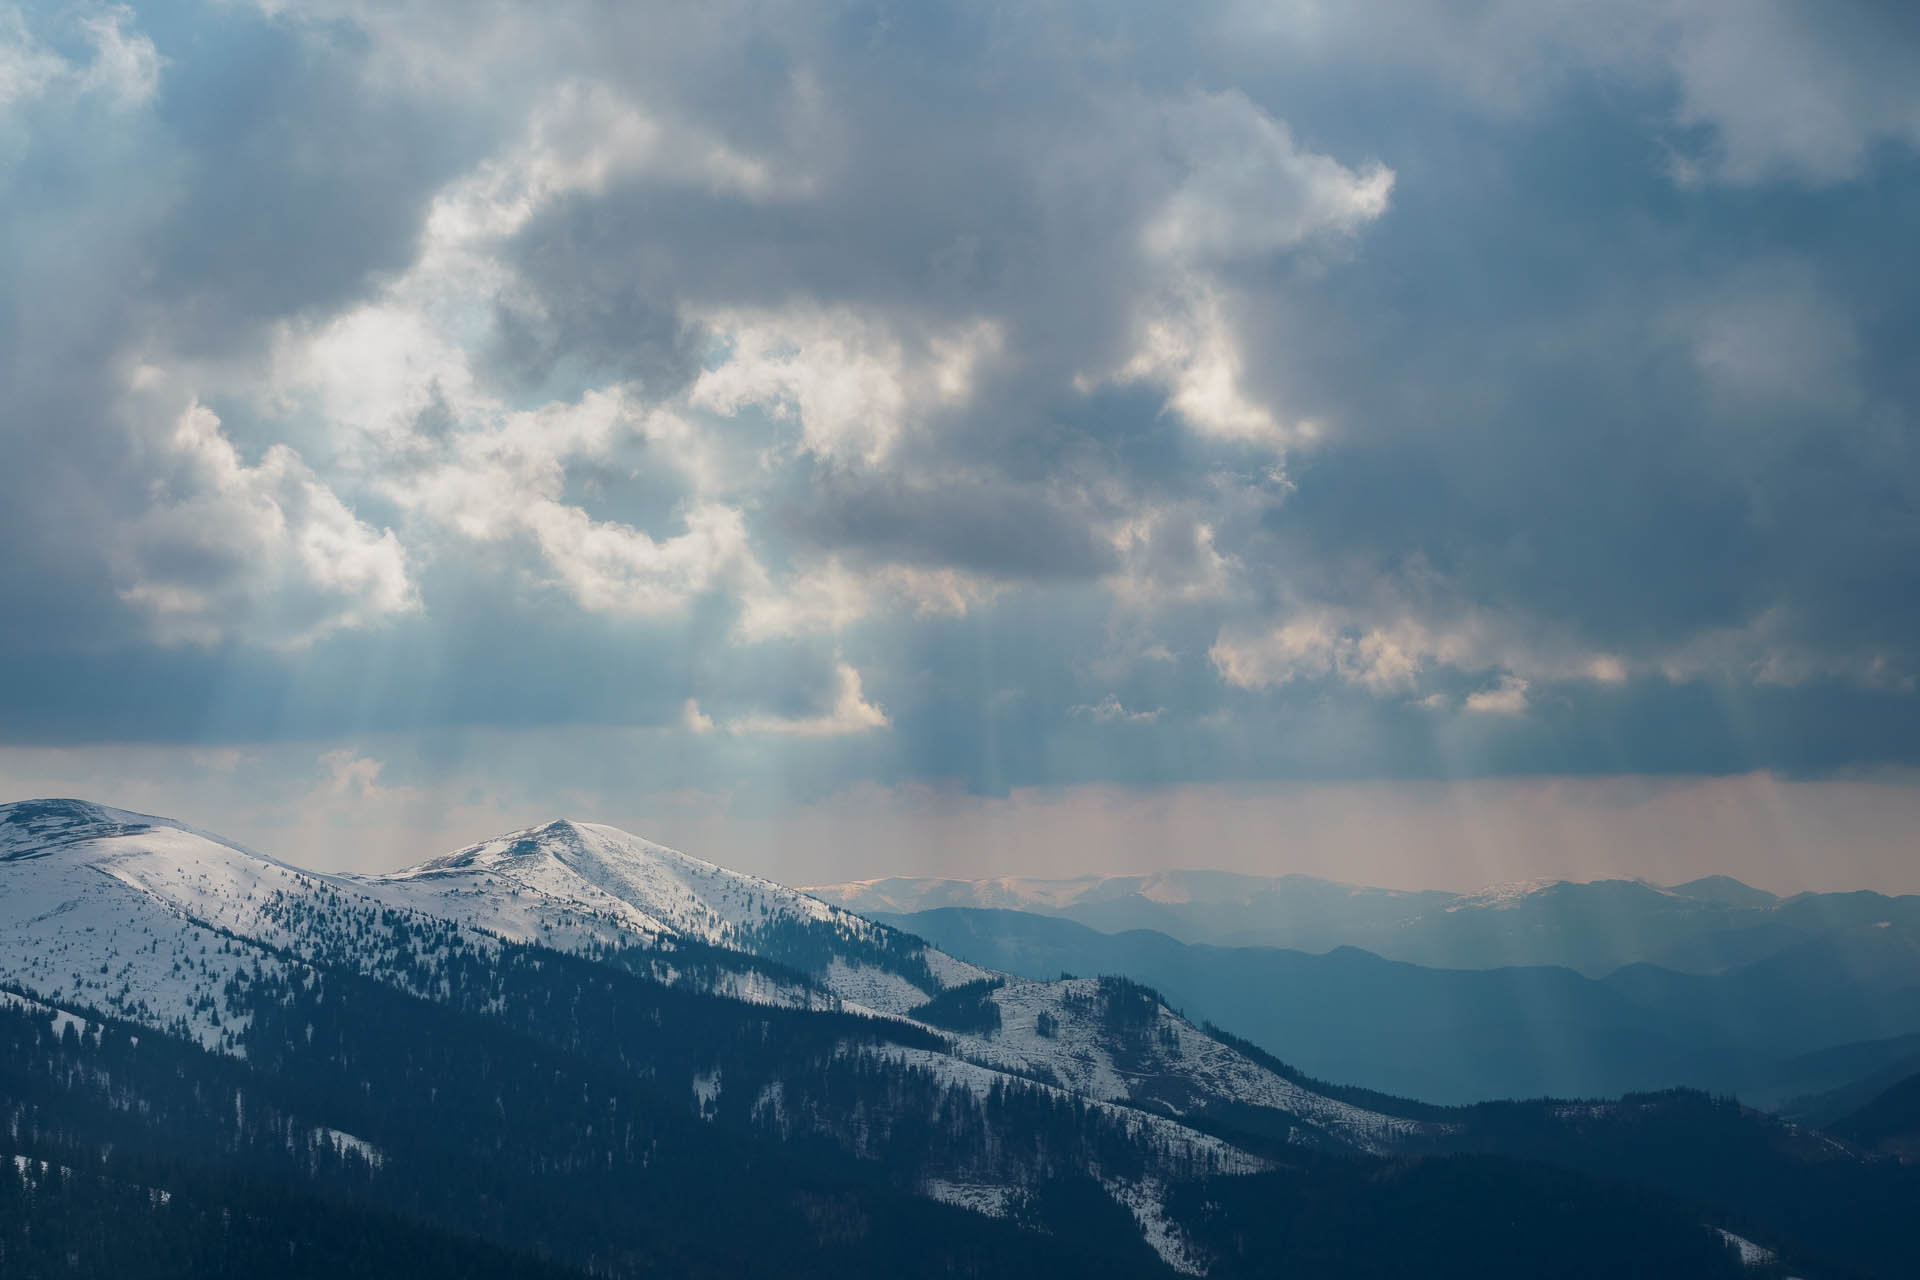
pixel 147 919
pixel 105 912
pixel 572 1040
pixel 584 887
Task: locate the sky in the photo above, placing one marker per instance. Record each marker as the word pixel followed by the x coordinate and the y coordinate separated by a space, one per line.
pixel 1418 443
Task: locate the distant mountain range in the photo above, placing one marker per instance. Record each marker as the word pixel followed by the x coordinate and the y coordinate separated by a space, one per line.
pixel 1705 926
pixel 1460 1035
pixel 571 1051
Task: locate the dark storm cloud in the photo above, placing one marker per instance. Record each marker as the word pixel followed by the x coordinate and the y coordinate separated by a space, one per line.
pixel 292 185
pixel 1587 444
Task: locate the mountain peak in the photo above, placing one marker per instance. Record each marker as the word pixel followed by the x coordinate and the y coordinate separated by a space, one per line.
pixel 592 867
pixel 34 828
pixel 1726 891
pixel 569 842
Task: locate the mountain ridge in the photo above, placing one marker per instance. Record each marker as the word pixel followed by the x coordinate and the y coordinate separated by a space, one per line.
pixel 1594 927
pixel 151 922
pixel 444 1031
pixel 1460 1035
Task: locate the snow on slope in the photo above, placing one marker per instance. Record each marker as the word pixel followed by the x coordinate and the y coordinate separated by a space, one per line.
pixel 1751 1254
pixel 78 930
pixel 572 884
pixel 581 885
pixel 1187 1147
pixel 145 918
pixel 1179 1147
pixel 1165 1062
pixel 650 887
pixel 149 920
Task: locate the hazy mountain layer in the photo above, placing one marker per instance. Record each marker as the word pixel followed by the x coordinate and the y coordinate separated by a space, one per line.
pixel 1460 1035
pixel 1705 926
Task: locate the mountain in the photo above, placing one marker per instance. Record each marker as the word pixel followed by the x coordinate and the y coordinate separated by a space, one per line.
pixel 1889 1123
pixel 571 1046
pixel 597 891
pixel 1461 1035
pixel 1704 926
pixel 1194 906
pixel 1725 891
pixel 152 922
pixel 594 889
pixel 1830 1084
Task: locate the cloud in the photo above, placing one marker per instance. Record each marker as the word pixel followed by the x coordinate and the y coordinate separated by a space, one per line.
pixel 850 713
pixel 1290 373
pixel 610 567
pixel 1109 710
pixel 1790 92
pixel 1249 190
pixel 833 597
pixel 848 383
pixel 1772 338
pixel 124 67
pixel 1765 92
pixel 1507 698
pixel 1382 660
pixel 27 68
pixel 1188 346
pixel 266 548
pixel 1246 191
pixel 349 774
pixel 694 720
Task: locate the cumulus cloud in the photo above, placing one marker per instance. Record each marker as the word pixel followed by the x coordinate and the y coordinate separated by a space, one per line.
pixel 608 566
pixel 1248 189
pixel 846 381
pixel 849 713
pixel 1507 698
pixel 1381 660
pixel 266 548
pixel 351 774
pixel 1405 656
pixel 831 597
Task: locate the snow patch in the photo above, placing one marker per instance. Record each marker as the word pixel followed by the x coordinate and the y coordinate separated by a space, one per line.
pixel 1751 1254
pixel 985 1198
pixel 62 1020
pixel 706 1092
pixel 1146 1200
pixel 872 989
pixel 345 1144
